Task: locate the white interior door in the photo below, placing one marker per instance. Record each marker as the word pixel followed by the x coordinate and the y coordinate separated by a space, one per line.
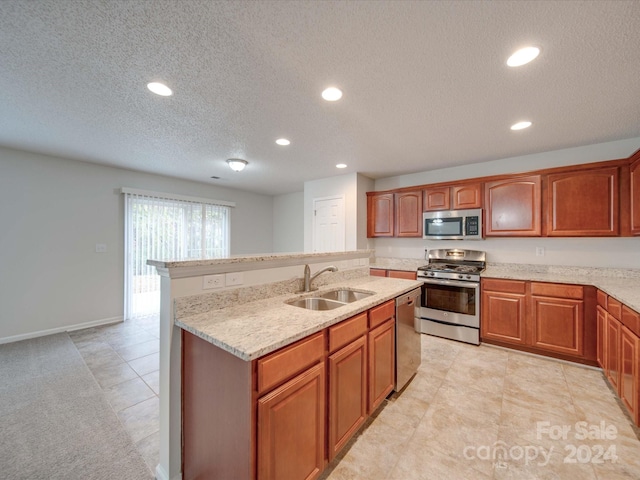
pixel 328 224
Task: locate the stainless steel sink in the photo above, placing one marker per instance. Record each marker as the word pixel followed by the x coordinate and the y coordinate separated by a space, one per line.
pixel 315 303
pixel 344 295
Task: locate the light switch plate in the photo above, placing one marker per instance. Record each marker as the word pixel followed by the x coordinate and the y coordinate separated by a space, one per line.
pixel 234 278
pixel 101 247
pixel 540 251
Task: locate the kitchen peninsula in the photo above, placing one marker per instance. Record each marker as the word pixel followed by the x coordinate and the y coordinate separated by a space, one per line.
pixel 230 352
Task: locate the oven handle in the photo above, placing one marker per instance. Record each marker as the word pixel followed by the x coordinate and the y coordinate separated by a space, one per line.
pixel 452 283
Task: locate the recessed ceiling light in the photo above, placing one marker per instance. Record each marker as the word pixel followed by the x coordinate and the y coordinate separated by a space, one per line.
pixel 341 165
pixel 237 164
pixel 283 141
pixel 520 125
pixel 523 56
pixel 332 94
pixel 159 89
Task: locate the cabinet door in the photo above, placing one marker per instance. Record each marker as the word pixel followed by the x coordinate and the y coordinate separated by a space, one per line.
pixel 635 197
pixel 347 393
pixel 408 214
pixel 381 363
pixel 558 325
pixel 628 389
pixel 583 203
pixel 513 207
pixel 503 316
pixel 437 198
pixel 601 323
pixel 291 428
pixel 467 196
pixel 380 215
pixel 612 360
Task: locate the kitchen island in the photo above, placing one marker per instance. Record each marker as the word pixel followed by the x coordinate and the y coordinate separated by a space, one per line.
pixel 232 330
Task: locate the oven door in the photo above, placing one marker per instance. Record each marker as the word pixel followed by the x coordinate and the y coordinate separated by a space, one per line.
pixel 451 301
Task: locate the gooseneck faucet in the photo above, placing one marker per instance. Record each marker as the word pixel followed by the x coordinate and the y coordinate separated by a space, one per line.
pixel 308 278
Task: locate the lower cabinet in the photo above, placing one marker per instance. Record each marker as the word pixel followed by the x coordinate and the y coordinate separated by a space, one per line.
pixel 291 422
pixel 620 344
pixel 381 272
pixel 545 318
pixel 601 322
pixel 289 413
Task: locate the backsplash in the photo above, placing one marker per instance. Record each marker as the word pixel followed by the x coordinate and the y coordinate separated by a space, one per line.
pixel 195 304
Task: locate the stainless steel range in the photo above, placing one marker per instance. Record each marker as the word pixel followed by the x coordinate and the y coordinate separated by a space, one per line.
pixel 450 306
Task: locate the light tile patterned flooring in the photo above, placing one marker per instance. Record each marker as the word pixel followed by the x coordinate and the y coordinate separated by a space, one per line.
pixel 465 404
pixel 124 360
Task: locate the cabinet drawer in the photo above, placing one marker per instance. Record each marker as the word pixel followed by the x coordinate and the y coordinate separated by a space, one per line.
pixel 377 272
pixel 402 274
pixel 284 364
pixel 602 299
pixel 506 286
pixel 557 290
pixel 381 313
pixel 345 332
pixel 614 307
pixel 631 320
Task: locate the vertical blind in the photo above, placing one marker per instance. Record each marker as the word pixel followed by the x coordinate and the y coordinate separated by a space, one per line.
pixel 166 229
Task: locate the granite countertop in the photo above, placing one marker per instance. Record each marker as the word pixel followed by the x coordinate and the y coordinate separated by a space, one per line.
pixel 251 330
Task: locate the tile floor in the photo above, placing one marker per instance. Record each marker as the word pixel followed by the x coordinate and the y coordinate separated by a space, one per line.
pixel 470 413
pixel 124 360
pixel 467 403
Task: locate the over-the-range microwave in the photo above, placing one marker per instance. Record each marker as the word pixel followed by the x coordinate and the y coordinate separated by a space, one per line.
pixel 452 225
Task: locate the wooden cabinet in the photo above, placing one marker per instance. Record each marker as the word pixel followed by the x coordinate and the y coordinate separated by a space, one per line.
pixel 408 214
pixel 381 344
pixel 612 339
pixel 635 197
pixel 583 203
pixel 503 310
pixel 454 197
pixel 513 207
pixel 601 322
pixel 380 215
pixel 557 318
pixel 629 375
pixel 539 317
pixel 347 392
pixel 381 272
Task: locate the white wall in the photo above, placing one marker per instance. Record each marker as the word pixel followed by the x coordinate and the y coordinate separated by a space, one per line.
pixel 288 222
pixel 53 211
pixel 597 252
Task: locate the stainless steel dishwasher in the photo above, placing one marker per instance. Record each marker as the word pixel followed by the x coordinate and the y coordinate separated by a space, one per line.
pixel 408 349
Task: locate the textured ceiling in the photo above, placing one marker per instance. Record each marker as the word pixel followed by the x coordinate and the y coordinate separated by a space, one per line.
pixel 425 83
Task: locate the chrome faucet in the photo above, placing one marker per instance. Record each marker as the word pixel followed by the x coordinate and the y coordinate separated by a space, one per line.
pixel 308 278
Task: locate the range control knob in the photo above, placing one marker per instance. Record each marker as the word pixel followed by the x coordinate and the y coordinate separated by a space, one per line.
pixel 460 276
pixel 469 277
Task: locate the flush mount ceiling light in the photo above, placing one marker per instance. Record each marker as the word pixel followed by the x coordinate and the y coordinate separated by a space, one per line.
pixel 237 164
pixel 283 141
pixel 520 125
pixel 160 89
pixel 332 94
pixel 523 56
pixel 341 165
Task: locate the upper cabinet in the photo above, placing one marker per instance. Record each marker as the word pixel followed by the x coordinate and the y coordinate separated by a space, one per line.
pixel 513 207
pixel 408 214
pixel 455 197
pixel 635 197
pixel 583 203
pixel 380 215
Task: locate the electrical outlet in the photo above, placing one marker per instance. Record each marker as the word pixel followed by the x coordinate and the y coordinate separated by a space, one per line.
pixel 101 247
pixel 540 251
pixel 234 278
pixel 212 281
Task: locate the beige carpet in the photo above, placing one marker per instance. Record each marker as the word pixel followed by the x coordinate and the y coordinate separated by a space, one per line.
pixel 54 420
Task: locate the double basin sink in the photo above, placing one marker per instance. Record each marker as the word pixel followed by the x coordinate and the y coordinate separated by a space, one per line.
pixel 330 299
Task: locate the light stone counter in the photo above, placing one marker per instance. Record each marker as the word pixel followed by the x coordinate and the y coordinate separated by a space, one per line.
pixel 251 330
pixel 622 284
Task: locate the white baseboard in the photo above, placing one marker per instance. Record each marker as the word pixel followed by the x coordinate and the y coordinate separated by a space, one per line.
pixel 161 474
pixel 66 328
